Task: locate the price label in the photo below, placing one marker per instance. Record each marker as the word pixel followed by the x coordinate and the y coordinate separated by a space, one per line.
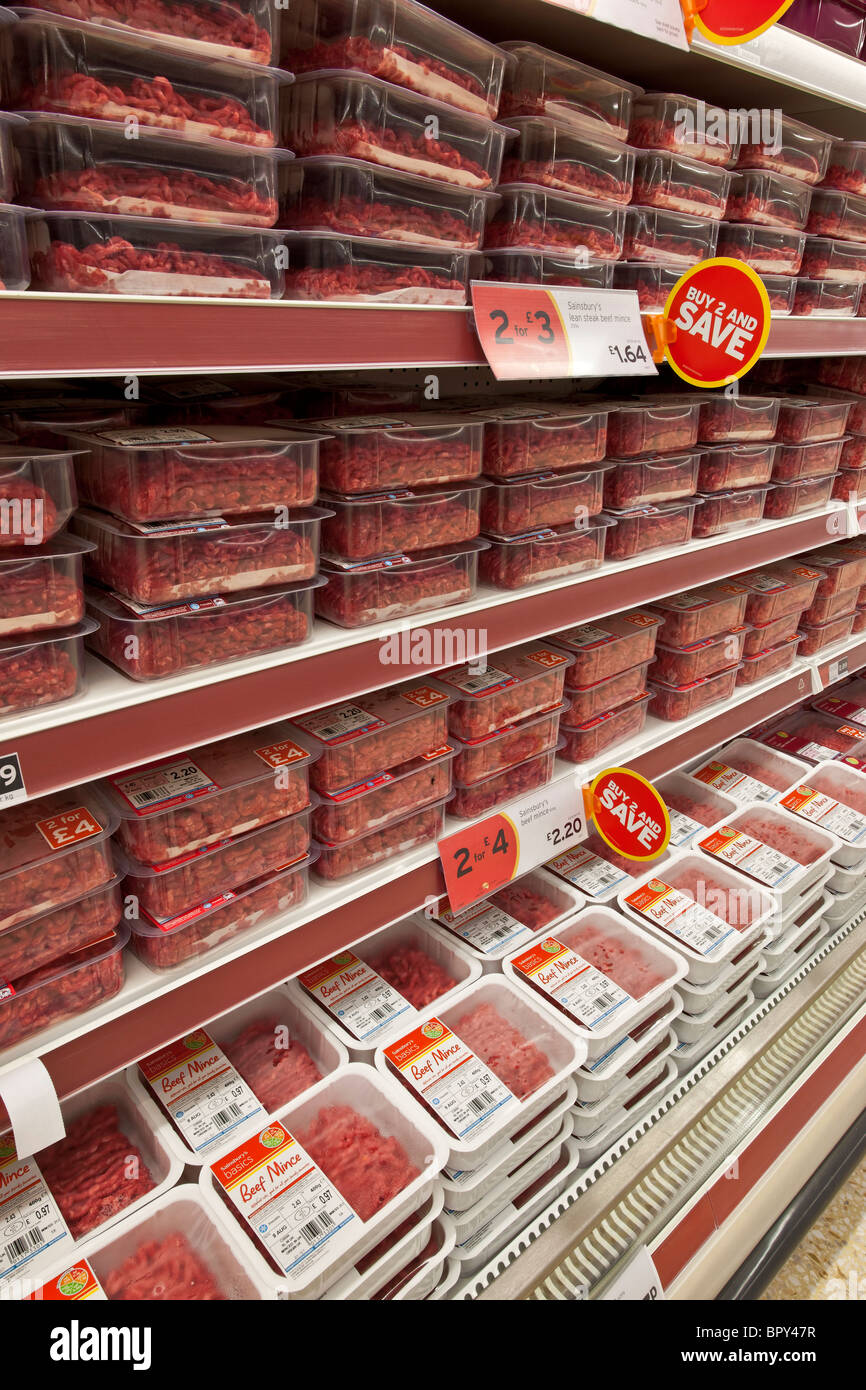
pixel 729 22
pixel 638 1281
pixel 837 669
pixel 484 856
pixel 527 331
pixel 720 312
pixel 12 787
pixel 661 20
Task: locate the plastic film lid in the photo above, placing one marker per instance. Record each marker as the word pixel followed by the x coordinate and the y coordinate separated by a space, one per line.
pixel 21 453
pixel 348 721
pixel 118 606
pixel 509 669
pixel 777 578
pixel 162 140
pixel 214 769
pixel 51 827
pixel 188 438
pixel 605 631
pixel 144 925
pixel 417 99
pixel 550 534
pixel 25 641
pixel 435 757
pixel 381 171
pixel 696 600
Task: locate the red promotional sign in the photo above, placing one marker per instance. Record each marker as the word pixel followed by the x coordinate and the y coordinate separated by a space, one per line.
pixel 479 859
pixel 629 813
pixel 720 312
pixel 520 330
pixel 736 21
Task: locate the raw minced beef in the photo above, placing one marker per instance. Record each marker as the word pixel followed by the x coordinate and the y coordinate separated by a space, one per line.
pixel 521 1065
pixel 368 1168
pixel 414 974
pixel 273 1073
pixel 164 1271
pixel 96 1171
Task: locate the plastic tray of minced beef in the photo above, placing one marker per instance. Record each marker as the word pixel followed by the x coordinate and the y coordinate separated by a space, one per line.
pixel 52 851
pixel 510 917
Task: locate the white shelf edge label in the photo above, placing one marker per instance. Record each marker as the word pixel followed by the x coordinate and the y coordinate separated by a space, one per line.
pixel 661 20
pixel 639 1281
pixel 28 1093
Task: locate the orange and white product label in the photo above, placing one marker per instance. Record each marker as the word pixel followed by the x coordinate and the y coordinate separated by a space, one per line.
pixel 289 1204
pixel 69 828
pixel 733 783
pixel 831 815
pixel 75 1284
pixel 357 997
pixel 281 754
pixel 584 992
pixel 30 1219
pixel 424 696
pixel 587 871
pixel 199 1088
pixel 679 916
pixel 753 857
pixel 486 928
pixel 459 1088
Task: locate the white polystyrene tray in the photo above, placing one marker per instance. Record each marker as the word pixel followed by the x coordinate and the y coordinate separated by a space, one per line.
pixel 515 1181
pixel 845 880
pixel 776 951
pixel 381 1100
pixel 472 1185
pixel 692 1027
pixel 563 1049
pixel 358 1284
pixel 688 1054
pixel 801 878
pixel 599 1040
pixel 783 922
pixel 449 1279
pixel 572 900
pixel 786 765
pixel 850 853
pixel 698 998
pixel 326 1052
pixel 594 1084
pixel 588 1119
pixel 605 897
pixel 843 906
pixel 703 968
pixel 451 955
pixel 425 1279
pixel 766 984
pixel 680 781
pixel 598 1143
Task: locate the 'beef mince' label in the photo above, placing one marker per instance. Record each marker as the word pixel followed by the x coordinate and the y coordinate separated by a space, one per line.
pixel 30 1219
pixel 583 992
pixel 485 927
pixel 199 1088
pixel 461 1090
pixel 831 815
pixel 363 1002
pixel 590 873
pixel 753 857
pixel 679 916
pixel 733 783
pixel 161 787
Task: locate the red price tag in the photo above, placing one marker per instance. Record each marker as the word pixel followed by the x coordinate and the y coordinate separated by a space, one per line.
pixel 721 313
pixel 736 21
pixel 521 332
pixel 629 813
pixel 68 828
pixel 478 860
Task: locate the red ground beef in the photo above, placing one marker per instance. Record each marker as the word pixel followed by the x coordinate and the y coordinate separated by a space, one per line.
pixel 854 452
pixel 35 590
pixel 781 255
pixel 354 600
pixel 826 782
pixel 816 638
pixel 737 906
pixel 692 806
pixel 51 997
pixel 414 974
pixel 373 459
pixel 357 855
pixel 802 497
pixel 767 663
pixel 28 511
pixel 646 241
pixel 549 235
pixel 627 966
pixel 274 1074
pixel 475 800
pixel 793 164
pixel 745 466
pixel 342 765
pixel 640 531
pixel 344 819
pixel 411 284
pixel 654 480
pixel 786 838
pixel 567 551
pixel 527 904
pixel 795 461
pixel 679 197
pixel 356 51
pixel 164 1271
pixel 386 526
pixel 728 513
pixel 519 507
pixel 369 1168
pixel 89 269
pixel 648 133
pixel 569 175
pixel 767 211
pixel 724 420
pixel 473 764
pixel 152 192
pixel 33 676
pixel 589 739
pixel 679 701
pixel 655 430
pixel 759 768
pixel 225 24
pixel 511 449
pixel 50 938
pixel 90 1171
pixel 370 143
pixel 427 226
pixel 771 634
pixel 846 180
pixel 518 1062
pixel 45 879
pixel 595 699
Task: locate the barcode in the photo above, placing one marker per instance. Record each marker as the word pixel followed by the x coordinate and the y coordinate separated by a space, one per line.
pixel 712 932
pixel 314 1229
pixel 141 798
pixel 500 933
pixel 601 1001
pixel 31 1240
pixel 383 1012
pixel 227 1116
pixel 479 1103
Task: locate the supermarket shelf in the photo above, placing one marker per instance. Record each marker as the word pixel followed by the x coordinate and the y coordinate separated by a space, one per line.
pixel 49 335
pixel 153 1009
pixel 789 57
pixel 119 722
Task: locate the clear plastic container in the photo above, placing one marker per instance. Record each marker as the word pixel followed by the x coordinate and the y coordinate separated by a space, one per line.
pixel 672 238
pixel 543 268
pixel 43 668
pixel 37 492
pixel 781 290
pixel 496 753
pixel 166 891
pixel 792 856
pixel 584 742
pixel 367 528
pixel 589 700
pixel 14 259
pixel 535 902
pixel 523 441
pixel 165 943
pixel 514 505
pixel 842 567
pixel 652 426
pixel 815 738
pixel 833 298
pixel 398 586
pixel 681 665
pixel 816 460
pixel 572 159
pixel 326 193
pixel 843 262
pixel 821 635
pixel 805 421
pixel 760 636
pixel 483 795
pixel 398 40
pixel 767 250
pixel 796 150
pixel 856 422
pixel 737 466
pixel 603 649
pixel 850 484
pixel 54 934
pixel 65 66
pixel 324 265
pixel 854 452
pixel 775 592
pixel 522 681
pixel 831 606
pixel 368 453
pixel 360 117
pixel 730 511
pixel 678 184
pixel 701 613
pixel 665 121
pixel 832 798
pixel 541 83
pixel 658 478
pixel 355 856
pixel 644 529
pixel 651 283
pixel 64 989
pixel 769 662
pixel 847 167
pixel 539 220
pixel 241 29
pixel 770 200
pixel 67 164
pixel 834 214
pixel 158 562
pixel 682 701
pixel 378 801
pixel 513 562
pixel 93 253
pixel 726 419
pixel 791 498
pixel 747 771
pixel 42 589
pixel 8 176
pixel 52 851
pixel 382 730
pixel 169 472
pixel 849 373
pixel 171 809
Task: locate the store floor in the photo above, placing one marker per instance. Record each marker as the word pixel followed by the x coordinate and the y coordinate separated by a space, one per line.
pixel 830 1261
